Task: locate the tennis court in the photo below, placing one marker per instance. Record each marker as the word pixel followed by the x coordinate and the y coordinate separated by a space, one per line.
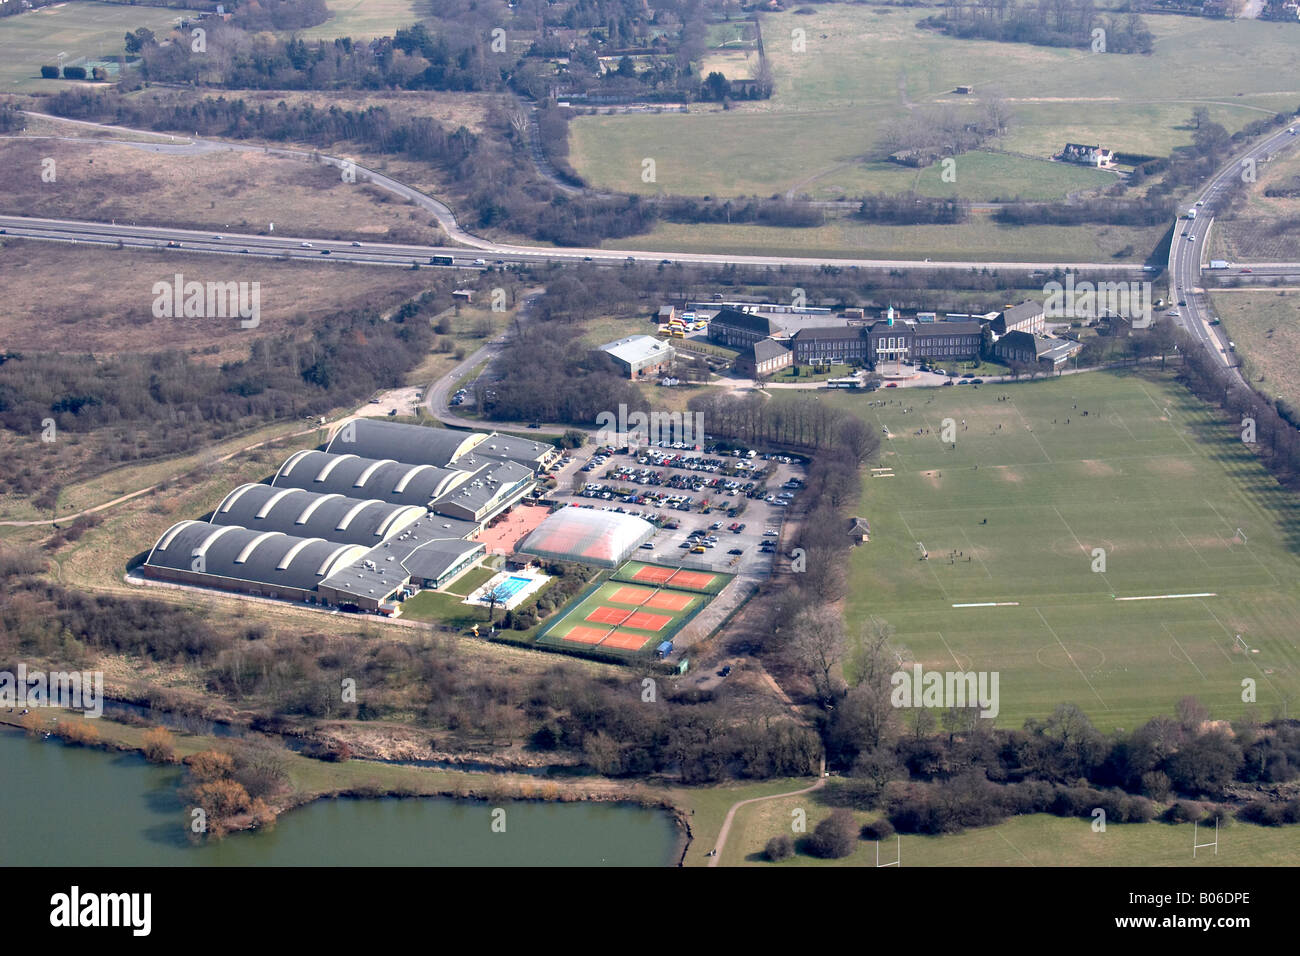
pixel 638 619
pixel 680 579
pixel 633 596
pixel 623 618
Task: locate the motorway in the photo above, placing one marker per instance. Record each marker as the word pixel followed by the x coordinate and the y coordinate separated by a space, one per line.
pixel 1187 246
pixel 471 247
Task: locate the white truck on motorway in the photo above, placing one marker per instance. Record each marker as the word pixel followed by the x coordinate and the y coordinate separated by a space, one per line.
pixel 1191 214
pixel 1218 263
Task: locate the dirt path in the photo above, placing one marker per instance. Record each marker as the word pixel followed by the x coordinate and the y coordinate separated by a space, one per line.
pixel 731 814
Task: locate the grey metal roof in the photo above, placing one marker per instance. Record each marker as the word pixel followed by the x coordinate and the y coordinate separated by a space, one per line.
pixel 839 333
pixel 749 321
pixel 417 444
pixel 1025 310
pixel 240 554
pixel 496 447
pixel 954 327
pixel 768 349
pixel 426 549
pixel 333 517
pixel 358 477
pixel 493 480
pixel 638 348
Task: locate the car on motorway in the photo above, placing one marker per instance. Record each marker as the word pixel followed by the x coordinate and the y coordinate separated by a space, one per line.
pixel 356 245
pixel 218 237
pixel 665 262
pixel 1173 313
pixel 324 252
pixel 586 258
pixel 173 245
pixel 305 245
pixel 480 262
pixel 1247 271
pixel 1182 303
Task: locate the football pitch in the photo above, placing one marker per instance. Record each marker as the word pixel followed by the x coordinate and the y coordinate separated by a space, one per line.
pixel 1098 538
pixel 80 30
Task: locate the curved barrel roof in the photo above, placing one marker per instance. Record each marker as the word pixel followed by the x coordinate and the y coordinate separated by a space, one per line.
pixel 307 514
pixel 417 444
pixel 241 554
pixel 356 477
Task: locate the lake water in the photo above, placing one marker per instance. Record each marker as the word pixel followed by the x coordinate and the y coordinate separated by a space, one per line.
pixel 67 806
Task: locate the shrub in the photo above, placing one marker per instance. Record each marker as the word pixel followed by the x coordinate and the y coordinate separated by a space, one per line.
pixel 78 732
pixel 881 829
pixel 50 72
pixel 779 848
pixel 158 746
pixel 1184 811
pixel 74 72
pixel 835 837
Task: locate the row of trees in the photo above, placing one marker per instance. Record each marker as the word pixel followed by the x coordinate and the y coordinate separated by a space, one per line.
pixel 1062 23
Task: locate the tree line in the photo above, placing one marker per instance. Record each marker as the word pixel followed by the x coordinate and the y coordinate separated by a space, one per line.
pixel 1060 23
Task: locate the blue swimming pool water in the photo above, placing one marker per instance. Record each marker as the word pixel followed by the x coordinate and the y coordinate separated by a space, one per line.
pixel 508 588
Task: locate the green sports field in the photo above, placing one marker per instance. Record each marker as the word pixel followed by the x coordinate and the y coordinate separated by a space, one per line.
pixel 80 29
pixel 861 66
pixel 1012 516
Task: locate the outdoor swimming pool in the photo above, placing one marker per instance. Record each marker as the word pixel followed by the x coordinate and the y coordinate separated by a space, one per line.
pixel 506 589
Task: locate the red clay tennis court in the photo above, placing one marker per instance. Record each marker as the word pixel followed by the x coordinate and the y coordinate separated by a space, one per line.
pixel 669 601
pixel 581 634
pixel 653 574
pixel 631 595
pixel 625 641
pixel 638 619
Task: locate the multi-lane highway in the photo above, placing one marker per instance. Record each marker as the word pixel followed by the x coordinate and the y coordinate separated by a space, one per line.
pixel 1188 246
pixel 483 254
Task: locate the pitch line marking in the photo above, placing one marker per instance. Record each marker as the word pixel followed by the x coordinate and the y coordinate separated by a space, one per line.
pixel 1184 650
pixel 1070 658
pixel 1167 597
pixel 991 604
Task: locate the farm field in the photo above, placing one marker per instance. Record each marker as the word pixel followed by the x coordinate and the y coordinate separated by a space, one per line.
pixel 1036 840
pixel 81 29
pixel 862 66
pixel 1265 228
pixel 978 238
pixel 1012 513
pixel 366 18
pixel 1264 325
pixel 246 190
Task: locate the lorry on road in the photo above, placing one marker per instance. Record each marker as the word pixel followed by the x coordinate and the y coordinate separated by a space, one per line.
pixel 1191 214
pixel 441 261
pixel 1218 263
